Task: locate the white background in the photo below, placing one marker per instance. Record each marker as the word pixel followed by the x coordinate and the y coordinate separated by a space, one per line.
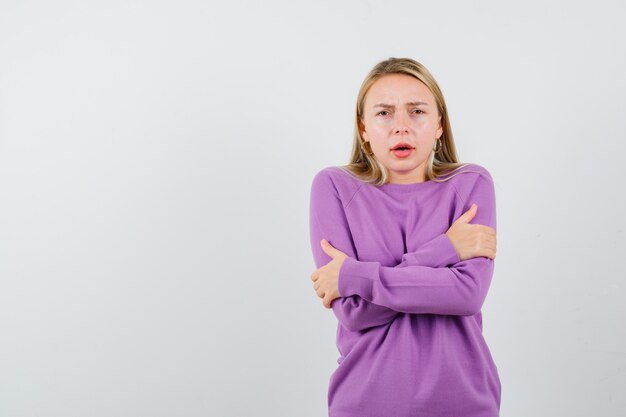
pixel 155 169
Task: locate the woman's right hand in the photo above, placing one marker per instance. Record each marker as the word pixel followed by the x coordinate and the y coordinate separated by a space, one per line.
pixel 471 240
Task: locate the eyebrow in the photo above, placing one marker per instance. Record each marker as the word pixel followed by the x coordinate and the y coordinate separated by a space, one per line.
pixel 391 106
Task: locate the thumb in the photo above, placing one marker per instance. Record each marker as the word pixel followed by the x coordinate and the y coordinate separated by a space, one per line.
pixel 327 247
pixel 469 214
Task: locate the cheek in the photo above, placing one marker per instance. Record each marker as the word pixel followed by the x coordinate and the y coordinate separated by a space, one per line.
pixel 425 141
pixel 424 125
pixel 376 132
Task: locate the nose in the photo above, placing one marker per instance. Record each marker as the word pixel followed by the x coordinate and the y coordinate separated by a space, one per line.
pixel 402 126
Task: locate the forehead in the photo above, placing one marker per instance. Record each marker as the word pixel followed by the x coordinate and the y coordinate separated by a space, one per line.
pixel 398 89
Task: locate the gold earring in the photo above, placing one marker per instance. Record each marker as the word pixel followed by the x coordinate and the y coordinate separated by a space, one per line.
pixel 438 148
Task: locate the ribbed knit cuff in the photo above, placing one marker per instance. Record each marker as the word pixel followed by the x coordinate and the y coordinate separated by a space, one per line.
pixel 356 278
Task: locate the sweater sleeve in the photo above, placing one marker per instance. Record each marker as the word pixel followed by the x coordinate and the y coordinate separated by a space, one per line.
pixel 437 252
pixel 459 289
pixel 328 221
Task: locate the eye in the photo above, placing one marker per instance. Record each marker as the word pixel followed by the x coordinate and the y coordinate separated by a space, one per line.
pixel 380 113
pixel 418 110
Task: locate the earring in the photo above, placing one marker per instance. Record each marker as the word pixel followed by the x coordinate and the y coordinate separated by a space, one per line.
pixel 438 148
pixel 369 152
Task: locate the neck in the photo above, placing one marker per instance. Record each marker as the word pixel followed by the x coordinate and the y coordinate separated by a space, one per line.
pixel 417 175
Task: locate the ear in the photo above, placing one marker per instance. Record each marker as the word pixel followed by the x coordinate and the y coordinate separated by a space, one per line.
pixel 363 131
pixel 439 129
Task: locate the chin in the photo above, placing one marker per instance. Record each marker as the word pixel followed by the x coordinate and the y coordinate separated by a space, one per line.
pixel 402 166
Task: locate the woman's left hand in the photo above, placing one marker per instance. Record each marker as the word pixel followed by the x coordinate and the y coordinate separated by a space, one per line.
pixel 326 278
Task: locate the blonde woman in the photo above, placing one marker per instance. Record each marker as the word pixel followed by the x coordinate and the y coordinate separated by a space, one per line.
pixel 404 239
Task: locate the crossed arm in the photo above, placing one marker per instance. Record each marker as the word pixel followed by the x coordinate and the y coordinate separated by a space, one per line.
pixel 431 279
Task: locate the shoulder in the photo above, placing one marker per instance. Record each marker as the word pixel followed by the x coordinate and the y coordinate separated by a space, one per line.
pixel 473 171
pixel 471 178
pixel 337 180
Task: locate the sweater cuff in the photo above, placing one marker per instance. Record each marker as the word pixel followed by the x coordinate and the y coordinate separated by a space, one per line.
pixel 443 246
pixel 436 253
pixel 356 278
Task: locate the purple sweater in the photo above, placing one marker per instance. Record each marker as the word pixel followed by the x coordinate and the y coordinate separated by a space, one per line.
pixel 410 324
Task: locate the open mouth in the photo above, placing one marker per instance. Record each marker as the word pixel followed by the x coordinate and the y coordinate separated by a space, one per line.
pixel 402 147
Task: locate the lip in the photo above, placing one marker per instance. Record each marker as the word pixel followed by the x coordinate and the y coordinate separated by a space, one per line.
pixel 402 154
pixel 401 144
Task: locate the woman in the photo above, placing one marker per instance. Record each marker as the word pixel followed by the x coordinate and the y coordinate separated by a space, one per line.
pixel 400 264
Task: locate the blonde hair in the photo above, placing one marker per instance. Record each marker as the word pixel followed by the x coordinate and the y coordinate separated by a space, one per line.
pixel 367 167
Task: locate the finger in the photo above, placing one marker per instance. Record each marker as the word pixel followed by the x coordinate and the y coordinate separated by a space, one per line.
pixel 490 252
pixel 329 249
pixel 320 292
pixel 489 241
pixel 489 246
pixel 469 214
pixel 487 236
pixel 489 231
pixel 484 249
pixel 314 276
pixel 324 246
pixel 485 230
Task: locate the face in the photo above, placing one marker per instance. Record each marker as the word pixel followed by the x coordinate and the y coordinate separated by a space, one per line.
pixel 400 108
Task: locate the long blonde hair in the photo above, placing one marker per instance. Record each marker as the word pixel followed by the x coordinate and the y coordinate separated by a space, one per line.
pixel 367 167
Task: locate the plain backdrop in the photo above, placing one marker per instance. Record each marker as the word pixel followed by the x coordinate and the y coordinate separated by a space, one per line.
pixel 155 168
